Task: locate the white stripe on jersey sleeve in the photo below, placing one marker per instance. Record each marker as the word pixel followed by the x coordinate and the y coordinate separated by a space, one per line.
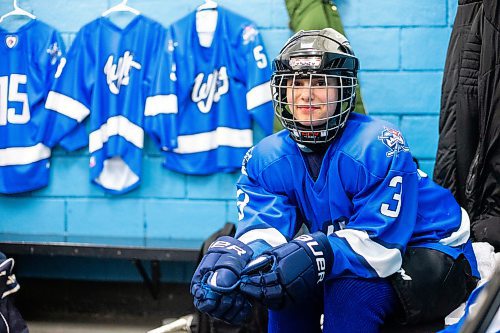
pixel 383 260
pixel 24 155
pixel 118 125
pixel 259 95
pixel 160 104
pixel 67 106
pixel 460 236
pixel 222 136
pixel 269 235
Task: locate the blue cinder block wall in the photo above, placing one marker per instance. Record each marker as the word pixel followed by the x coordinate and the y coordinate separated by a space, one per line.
pixel 401 45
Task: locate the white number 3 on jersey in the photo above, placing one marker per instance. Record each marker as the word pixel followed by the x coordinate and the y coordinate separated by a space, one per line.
pixel 384 209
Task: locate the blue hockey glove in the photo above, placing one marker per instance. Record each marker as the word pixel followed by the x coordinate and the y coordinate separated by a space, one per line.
pixel 215 282
pixel 289 273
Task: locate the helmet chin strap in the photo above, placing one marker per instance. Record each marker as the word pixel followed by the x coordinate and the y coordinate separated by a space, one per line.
pixel 314 147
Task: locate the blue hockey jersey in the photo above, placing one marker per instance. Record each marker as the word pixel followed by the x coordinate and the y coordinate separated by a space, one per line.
pixel 29 59
pixel 220 90
pixel 369 198
pixel 114 75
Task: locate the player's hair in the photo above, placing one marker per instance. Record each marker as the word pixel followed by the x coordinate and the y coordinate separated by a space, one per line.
pixel 324 55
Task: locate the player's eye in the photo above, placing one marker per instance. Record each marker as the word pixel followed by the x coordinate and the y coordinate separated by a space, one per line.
pixel 301 83
pixel 318 83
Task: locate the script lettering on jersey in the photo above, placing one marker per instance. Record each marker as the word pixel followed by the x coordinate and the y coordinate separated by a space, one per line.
pixel 320 259
pixel 330 227
pixel 204 94
pixel 118 75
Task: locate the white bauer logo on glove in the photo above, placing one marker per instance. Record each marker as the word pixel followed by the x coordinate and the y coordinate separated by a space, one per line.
pixel 320 256
pixel 229 246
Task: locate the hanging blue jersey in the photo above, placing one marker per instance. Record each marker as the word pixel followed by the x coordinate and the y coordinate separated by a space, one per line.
pixel 369 198
pixel 220 90
pixel 114 75
pixel 29 59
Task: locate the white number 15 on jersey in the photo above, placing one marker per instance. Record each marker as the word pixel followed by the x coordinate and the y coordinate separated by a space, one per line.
pixel 9 92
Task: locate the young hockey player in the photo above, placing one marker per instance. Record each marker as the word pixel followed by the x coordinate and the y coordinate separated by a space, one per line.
pixel 384 242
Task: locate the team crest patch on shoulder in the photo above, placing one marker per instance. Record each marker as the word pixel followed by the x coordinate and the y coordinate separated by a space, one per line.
pixel 54 52
pixel 11 41
pixel 249 34
pixel 394 140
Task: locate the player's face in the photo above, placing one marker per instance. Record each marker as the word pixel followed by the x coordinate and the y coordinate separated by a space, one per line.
pixel 312 100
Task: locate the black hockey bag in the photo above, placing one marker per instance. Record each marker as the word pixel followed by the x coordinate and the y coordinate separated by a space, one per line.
pixel 11 320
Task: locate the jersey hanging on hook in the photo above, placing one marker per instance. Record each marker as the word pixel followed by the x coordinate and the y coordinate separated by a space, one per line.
pixel 221 90
pixel 118 80
pixel 31 57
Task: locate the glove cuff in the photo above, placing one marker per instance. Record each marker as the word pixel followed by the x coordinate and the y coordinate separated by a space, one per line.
pixel 319 249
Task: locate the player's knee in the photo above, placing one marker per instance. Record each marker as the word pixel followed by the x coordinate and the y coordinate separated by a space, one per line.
pixel 357 305
pixel 351 295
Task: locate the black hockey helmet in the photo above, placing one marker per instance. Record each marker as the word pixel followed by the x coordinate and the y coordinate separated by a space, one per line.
pixel 323 56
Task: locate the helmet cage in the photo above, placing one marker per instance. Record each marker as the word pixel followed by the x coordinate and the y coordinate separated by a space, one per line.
pixel 315 130
pixel 320 59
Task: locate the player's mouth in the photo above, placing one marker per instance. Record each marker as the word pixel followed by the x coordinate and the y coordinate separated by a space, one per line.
pixel 307 108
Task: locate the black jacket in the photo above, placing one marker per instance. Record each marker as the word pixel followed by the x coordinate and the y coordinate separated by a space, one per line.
pixel 476 127
pixel 456 148
pixel 483 182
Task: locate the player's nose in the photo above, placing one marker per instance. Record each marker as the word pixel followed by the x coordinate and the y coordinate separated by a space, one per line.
pixel 304 94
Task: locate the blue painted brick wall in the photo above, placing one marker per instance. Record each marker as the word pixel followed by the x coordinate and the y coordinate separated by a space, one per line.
pixel 402 49
pixel 401 45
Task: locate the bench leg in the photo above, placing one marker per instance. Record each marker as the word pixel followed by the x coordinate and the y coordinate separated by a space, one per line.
pixel 153 282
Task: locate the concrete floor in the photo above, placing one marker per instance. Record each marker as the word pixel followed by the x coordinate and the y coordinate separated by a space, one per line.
pixel 77 327
pixel 123 327
pixel 50 306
